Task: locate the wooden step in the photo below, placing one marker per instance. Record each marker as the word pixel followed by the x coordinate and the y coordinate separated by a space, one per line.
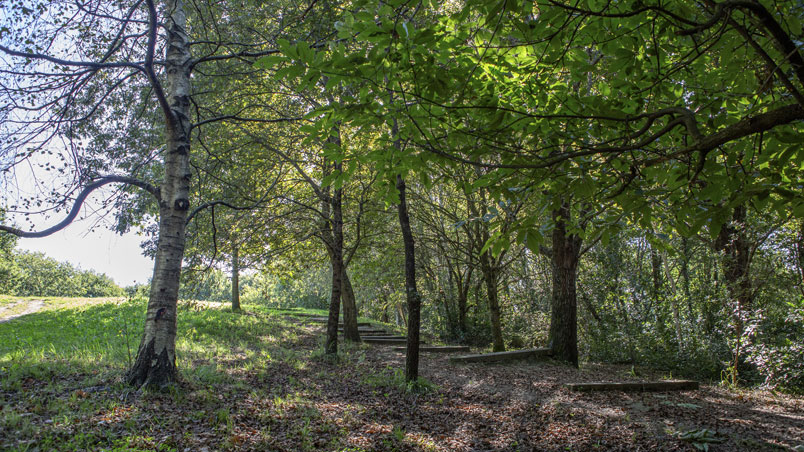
pixel 324 320
pixel 438 349
pixel 386 337
pixel 372 340
pixel 663 385
pixel 514 355
pixel 364 334
pixel 365 330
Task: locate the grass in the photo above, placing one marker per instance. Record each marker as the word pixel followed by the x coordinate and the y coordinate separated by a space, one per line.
pixel 257 381
pixel 61 373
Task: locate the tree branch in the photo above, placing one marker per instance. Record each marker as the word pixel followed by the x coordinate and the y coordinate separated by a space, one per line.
pixel 79 201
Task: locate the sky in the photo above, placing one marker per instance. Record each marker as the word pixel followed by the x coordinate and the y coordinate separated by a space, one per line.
pixel 102 250
pixel 87 242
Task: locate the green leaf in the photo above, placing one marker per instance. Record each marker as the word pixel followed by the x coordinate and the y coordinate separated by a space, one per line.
pixel 269 61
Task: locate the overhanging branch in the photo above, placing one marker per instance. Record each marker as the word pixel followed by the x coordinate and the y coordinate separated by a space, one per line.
pixel 79 201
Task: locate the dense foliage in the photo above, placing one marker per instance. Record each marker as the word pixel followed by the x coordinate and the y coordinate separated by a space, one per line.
pixel 31 274
pixel 617 181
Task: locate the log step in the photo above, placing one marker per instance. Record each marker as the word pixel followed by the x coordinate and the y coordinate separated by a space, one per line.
pixel 663 385
pixel 372 340
pixel 438 349
pixel 363 330
pixel 340 324
pixel 369 333
pixel 530 353
pixel 386 337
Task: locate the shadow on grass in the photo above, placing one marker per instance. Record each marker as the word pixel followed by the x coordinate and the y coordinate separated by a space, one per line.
pixel 104 338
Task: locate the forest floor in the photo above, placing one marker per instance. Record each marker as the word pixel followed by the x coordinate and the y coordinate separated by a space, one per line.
pixel 258 381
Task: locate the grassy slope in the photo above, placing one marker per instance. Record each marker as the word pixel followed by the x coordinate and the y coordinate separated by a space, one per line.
pixel 257 381
pixel 61 378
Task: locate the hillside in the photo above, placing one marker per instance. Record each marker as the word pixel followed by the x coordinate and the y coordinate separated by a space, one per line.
pixel 259 381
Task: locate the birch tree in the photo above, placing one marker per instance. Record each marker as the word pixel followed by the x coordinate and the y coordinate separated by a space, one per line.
pixel 64 65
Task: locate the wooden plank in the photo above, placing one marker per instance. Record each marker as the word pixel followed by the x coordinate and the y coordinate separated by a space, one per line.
pixel 514 355
pixel 340 324
pixel 362 334
pixel 438 349
pixel 663 385
pixel 363 330
pixel 372 340
pixel 386 337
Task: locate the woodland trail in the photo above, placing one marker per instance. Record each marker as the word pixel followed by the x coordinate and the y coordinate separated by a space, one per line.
pixel 12 311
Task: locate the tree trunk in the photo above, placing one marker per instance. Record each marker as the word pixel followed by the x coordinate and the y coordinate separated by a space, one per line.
pixel 400 315
pixel 155 364
pixel 490 277
pixel 685 274
pixel 674 304
pixel 734 244
pixel 235 277
pixel 656 270
pixel 413 297
pixel 384 318
pixel 463 296
pixel 350 332
pixel 563 337
pixel 331 347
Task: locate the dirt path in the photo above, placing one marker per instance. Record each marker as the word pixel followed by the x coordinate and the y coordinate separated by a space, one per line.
pixel 12 311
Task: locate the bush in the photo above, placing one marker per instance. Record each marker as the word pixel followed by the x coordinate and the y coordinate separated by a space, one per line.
pixel 778 353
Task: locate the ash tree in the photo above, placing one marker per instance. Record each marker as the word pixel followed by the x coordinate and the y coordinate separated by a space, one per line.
pixel 106 87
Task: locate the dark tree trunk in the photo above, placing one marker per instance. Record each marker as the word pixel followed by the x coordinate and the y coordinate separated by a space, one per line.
pixel 463 295
pixel 413 297
pixel 235 277
pixel 685 275
pixel 733 242
pixel 331 347
pixel 656 270
pixel 490 278
pixel 155 364
pixel 563 335
pixel 350 332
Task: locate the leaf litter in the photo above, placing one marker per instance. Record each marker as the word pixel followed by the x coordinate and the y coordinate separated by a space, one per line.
pixel 302 402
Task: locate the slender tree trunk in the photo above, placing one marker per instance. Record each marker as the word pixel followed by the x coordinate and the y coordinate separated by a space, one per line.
pixel 685 274
pixel 334 235
pixel 337 271
pixel 563 335
pixel 155 364
pixel 656 270
pixel 350 332
pixel 657 292
pixel 384 318
pixel 235 277
pixel 490 278
pixel 400 315
pixel 413 297
pixel 463 295
pixel 674 303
